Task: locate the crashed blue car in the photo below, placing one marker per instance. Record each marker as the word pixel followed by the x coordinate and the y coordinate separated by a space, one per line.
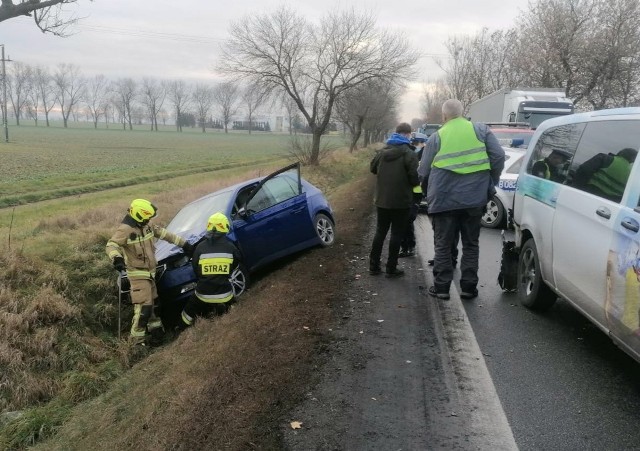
pixel 272 217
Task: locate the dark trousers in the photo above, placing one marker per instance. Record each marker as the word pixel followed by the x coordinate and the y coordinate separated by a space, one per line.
pixel 396 219
pixel 446 227
pixel 409 239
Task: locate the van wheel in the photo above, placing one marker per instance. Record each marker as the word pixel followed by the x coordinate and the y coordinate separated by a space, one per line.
pixel 325 229
pixel 533 292
pixel 494 214
pixel 239 279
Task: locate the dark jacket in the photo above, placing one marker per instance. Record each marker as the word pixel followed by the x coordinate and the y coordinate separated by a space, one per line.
pixel 225 256
pixel 396 167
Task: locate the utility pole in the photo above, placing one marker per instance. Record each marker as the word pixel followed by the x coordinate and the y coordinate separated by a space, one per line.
pixel 4 97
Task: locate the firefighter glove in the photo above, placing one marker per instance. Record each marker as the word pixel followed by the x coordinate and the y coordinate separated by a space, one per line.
pixel 125 284
pixel 118 264
pixel 188 249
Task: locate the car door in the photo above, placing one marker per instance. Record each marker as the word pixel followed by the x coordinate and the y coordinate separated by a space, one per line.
pixel 585 220
pixel 275 218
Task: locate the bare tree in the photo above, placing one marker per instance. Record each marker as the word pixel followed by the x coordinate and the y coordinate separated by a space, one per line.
pixel 203 100
pixel 253 97
pixel 69 88
pixel 126 90
pixel 360 103
pixel 178 93
pixel 314 63
pixel 19 81
pixel 291 108
pixel 225 98
pixel 96 98
pixel 153 97
pixel 434 95
pixel 48 15
pixel 43 83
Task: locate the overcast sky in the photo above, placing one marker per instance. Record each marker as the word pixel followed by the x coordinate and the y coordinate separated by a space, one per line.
pixel 170 39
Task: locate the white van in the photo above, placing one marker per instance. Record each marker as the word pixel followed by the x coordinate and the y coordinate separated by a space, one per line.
pixel 577 220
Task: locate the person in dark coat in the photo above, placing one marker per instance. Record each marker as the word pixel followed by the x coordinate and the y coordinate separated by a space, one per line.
pixel 396 169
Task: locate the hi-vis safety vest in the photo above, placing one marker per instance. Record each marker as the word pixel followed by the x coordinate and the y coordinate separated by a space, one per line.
pixel 460 149
pixel 613 179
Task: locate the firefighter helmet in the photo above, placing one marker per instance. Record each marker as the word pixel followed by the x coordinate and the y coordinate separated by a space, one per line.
pixel 218 222
pixel 142 210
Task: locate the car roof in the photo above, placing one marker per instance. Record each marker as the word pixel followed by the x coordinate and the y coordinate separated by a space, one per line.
pixel 526 131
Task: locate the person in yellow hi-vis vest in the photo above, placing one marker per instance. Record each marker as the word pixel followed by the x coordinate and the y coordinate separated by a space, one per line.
pixel 459 169
pixel 132 250
pixel 214 259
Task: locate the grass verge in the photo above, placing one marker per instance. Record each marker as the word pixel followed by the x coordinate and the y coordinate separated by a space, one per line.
pixel 224 384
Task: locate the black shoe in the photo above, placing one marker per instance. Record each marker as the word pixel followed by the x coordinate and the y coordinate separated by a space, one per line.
pixel 411 252
pixel 430 262
pixel 395 273
pixel 469 294
pixel 435 294
pixel 403 254
pixel 375 271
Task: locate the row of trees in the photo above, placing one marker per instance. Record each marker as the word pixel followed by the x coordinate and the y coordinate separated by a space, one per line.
pixel 35 91
pixel 342 65
pixel 589 48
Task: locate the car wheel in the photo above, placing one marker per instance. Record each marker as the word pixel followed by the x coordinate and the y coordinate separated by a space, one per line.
pixel 494 214
pixel 239 279
pixel 533 292
pixel 325 229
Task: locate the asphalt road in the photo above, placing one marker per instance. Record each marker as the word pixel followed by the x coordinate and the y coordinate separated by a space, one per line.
pixel 403 371
pixel 562 383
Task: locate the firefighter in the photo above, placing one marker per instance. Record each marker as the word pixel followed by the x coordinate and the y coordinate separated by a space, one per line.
pixel 132 249
pixel 214 259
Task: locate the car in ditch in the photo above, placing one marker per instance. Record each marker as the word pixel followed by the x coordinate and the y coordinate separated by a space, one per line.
pixel 271 217
pixel 495 215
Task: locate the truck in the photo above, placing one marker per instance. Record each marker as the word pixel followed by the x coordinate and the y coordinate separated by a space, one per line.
pixel 530 105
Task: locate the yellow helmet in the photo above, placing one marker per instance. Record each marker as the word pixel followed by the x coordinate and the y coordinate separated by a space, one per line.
pixel 142 210
pixel 218 222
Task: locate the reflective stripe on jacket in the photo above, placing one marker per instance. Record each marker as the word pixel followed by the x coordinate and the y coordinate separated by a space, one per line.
pixel 613 179
pixel 214 259
pixel 460 149
pixel 136 244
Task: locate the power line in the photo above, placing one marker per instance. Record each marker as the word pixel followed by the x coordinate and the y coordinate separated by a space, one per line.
pixel 149 34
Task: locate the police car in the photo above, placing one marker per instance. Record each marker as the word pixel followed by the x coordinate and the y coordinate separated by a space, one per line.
pixel 496 213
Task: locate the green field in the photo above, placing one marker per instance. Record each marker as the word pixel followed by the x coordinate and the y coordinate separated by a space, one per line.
pixel 41 163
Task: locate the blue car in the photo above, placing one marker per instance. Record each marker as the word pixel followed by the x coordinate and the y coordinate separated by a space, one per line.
pixel 271 217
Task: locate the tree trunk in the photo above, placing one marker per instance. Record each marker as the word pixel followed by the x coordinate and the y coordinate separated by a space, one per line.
pixel 367 138
pixel 314 159
pixel 46 117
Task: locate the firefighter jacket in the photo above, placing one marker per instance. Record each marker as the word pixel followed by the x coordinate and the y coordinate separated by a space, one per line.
pixel 214 260
pixel 135 243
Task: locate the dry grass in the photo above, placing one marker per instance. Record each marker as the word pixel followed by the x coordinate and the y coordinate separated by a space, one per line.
pixel 226 383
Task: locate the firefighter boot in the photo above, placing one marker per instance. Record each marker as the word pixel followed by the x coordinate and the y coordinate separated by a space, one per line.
pixel 155 328
pixel 141 315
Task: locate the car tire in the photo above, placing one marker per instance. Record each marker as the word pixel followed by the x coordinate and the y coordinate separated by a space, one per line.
pixel 533 292
pixel 325 229
pixel 494 215
pixel 239 279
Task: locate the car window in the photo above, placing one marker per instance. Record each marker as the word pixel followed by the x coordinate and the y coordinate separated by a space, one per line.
pixel 551 157
pixel 604 158
pixel 261 200
pixel 281 189
pixel 515 167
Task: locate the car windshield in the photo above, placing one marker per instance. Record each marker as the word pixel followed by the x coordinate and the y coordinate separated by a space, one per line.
pixel 195 215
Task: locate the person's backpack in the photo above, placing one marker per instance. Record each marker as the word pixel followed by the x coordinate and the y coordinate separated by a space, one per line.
pixel 508 276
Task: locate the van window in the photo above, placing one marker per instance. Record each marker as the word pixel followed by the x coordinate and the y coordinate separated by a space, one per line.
pixel 553 152
pixel 604 158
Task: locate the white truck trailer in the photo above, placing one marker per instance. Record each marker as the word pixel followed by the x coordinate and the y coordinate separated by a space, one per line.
pixel 530 105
